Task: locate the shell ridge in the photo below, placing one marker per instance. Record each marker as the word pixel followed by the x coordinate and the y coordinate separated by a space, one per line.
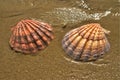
pixel 84 31
pixel 12 42
pixel 73 38
pixel 79 50
pixel 102 46
pixel 17 40
pixel 99 52
pixel 40 34
pixel 93 44
pixel 89 32
pixel 88 54
pixel 46 32
pixel 19 37
pixel 80 30
pixel 67 48
pixel 40 43
pixel 49 36
pixel 16 36
pixel 46 26
pixel 40 24
pixel 28 37
pixel 26 33
pixel 76 56
pixel 23 43
pixel 25 36
pixel 96 38
pixel 34 36
pixel 44 40
pixel 32 31
pixel 70 34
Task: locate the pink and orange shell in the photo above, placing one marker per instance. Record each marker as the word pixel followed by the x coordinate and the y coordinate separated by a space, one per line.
pixel 29 36
pixel 86 43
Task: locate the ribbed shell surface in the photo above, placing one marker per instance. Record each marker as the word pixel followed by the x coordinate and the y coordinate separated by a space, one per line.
pixel 29 36
pixel 86 43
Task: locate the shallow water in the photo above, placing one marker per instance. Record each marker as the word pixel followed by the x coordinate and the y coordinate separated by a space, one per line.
pixel 52 63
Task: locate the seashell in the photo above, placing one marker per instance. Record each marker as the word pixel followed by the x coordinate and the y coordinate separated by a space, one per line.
pixel 29 36
pixel 86 43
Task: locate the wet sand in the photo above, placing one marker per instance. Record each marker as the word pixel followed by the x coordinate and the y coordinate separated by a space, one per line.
pixel 52 63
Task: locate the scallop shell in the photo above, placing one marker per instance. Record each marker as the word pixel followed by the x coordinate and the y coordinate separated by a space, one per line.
pixel 86 43
pixel 29 36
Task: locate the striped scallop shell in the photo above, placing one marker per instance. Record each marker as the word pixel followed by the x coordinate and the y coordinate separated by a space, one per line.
pixel 29 36
pixel 86 43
